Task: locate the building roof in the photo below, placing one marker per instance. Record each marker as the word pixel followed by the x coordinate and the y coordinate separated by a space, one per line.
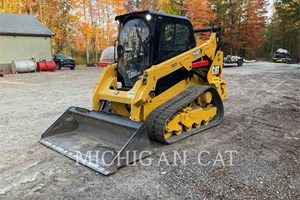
pixel 25 25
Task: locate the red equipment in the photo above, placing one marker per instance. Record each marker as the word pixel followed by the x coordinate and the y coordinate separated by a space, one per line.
pixel 102 64
pixel 46 66
pixel 203 63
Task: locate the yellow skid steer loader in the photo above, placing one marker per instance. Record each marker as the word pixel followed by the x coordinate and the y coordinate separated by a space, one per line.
pixel 165 85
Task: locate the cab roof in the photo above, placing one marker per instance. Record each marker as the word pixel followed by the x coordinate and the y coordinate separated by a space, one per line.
pixel 145 12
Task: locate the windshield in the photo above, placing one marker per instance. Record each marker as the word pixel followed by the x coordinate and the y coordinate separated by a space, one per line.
pixel 134 41
pixel 61 56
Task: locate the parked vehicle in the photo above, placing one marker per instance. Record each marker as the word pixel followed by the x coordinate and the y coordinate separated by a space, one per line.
pixel 62 60
pixel 281 56
pixel 233 60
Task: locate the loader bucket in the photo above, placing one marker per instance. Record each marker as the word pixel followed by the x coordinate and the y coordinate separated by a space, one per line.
pixel 101 141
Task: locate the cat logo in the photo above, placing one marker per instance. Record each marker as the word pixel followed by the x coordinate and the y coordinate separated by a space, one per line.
pixel 196 53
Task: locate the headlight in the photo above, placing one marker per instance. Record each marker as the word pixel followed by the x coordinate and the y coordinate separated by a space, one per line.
pixel 148 17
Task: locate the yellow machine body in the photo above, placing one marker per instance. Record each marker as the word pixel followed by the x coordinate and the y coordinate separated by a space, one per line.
pixel 139 97
pixel 159 94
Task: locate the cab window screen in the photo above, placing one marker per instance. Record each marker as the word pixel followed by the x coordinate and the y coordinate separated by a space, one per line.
pixel 174 40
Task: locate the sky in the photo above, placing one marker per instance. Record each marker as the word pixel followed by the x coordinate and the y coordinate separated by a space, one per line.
pixel 269 8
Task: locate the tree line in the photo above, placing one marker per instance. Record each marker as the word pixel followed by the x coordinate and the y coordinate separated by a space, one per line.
pixel 84 28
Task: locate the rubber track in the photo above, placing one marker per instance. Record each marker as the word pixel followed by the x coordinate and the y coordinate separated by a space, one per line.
pixel 157 119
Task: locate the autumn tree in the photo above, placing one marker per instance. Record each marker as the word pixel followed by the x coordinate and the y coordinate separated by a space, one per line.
pixel 242 23
pixel 83 28
pixel 284 28
pixel 250 35
pixel 200 12
pixel 175 7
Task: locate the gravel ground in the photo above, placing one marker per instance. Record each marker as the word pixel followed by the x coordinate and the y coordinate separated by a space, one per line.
pixel 260 128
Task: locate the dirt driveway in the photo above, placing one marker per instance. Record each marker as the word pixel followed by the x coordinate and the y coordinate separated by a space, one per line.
pixel 260 127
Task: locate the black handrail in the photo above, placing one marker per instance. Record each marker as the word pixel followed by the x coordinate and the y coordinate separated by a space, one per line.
pixel 208 29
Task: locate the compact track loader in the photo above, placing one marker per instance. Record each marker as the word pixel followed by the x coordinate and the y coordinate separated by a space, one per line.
pixel 165 85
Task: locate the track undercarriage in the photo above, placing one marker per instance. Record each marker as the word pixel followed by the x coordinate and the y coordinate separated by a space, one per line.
pixel 193 110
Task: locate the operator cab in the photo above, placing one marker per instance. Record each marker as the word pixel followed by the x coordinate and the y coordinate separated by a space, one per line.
pixel 147 38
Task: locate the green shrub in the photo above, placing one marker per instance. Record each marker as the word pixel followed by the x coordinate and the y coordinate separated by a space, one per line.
pixel 80 60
